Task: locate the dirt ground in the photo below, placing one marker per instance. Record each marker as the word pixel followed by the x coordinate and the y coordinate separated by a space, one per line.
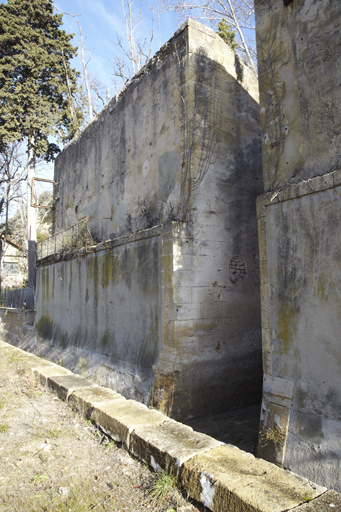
pixel 53 460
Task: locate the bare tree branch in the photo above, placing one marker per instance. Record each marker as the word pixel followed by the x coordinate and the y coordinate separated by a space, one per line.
pixel 85 74
pixel 237 13
pixel 136 48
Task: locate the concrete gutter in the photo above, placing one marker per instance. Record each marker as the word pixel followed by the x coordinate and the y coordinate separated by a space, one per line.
pixel 221 476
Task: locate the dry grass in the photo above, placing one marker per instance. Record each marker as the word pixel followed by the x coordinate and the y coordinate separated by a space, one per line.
pixel 52 460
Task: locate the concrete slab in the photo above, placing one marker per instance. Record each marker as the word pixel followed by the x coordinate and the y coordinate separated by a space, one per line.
pixel 169 445
pixel 64 385
pixel 119 418
pixel 227 478
pixel 330 501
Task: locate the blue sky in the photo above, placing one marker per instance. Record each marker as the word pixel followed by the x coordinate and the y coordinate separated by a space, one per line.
pixel 102 21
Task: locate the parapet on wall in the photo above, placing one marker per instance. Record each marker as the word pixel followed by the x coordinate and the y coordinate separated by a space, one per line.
pixel 298 48
pixel 167 309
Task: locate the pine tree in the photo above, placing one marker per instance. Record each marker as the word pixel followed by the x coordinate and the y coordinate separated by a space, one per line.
pixel 36 79
pixel 227 33
pixel 36 88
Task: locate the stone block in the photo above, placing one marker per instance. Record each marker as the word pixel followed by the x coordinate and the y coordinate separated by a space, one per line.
pixel 262 239
pixel 84 399
pixel 265 314
pixel 226 478
pixel 278 390
pixel 188 312
pixel 336 178
pixel 211 248
pixel 262 201
pixel 184 278
pixel 205 233
pixel 208 294
pixel 274 423
pixel 322 182
pixel 167 247
pixel 263 266
pixel 167 262
pixel 43 372
pixel 267 361
pixel 212 277
pixel 190 247
pixel 264 294
pixel 329 501
pixel 183 295
pixel 216 310
pixel 64 385
pixel 119 418
pixel 169 445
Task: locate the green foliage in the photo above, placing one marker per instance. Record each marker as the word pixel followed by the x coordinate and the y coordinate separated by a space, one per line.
pixel 4 427
pixel 228 34
pixel 36 80
pixel 162 485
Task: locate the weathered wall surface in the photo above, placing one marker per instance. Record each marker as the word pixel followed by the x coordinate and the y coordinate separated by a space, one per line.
pixel 298 49
pixel 179 153
pixel 138 163
pixel 102 313
pixel 210 360
pixel 13 322
pixel 299 229
pixel 300 252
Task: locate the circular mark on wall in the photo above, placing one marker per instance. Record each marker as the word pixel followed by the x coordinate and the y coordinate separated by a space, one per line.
pixel 237 268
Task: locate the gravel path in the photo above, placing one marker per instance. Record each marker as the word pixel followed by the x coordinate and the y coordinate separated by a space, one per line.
pixel 53 460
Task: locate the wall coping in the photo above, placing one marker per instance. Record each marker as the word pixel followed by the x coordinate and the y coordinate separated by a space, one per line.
pixel 296 190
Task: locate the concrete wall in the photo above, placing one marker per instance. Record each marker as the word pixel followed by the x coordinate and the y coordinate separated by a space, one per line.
pixel 299 229
pixel 298 49
pixel 13 323
pixel 103 311
pixel 175 158
pixel 192 108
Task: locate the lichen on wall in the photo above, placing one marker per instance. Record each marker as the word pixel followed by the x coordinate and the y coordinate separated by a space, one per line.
pixel 167 305
pixel 298 48
pixel 105 308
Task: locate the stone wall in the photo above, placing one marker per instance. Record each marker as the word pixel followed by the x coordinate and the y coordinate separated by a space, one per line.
pixel 299 229
pixel 174 165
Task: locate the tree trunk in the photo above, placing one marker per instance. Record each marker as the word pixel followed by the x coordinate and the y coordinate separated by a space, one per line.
pixel 31 218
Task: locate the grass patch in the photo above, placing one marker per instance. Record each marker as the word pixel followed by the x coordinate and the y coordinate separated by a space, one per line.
pixel 270 434
pixel 4 427
pixel 39 479
pixel 13 358
pixel 162 485
pixel 49 432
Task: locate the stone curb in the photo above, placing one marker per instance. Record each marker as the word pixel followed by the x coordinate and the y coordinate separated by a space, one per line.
pixel 222 477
